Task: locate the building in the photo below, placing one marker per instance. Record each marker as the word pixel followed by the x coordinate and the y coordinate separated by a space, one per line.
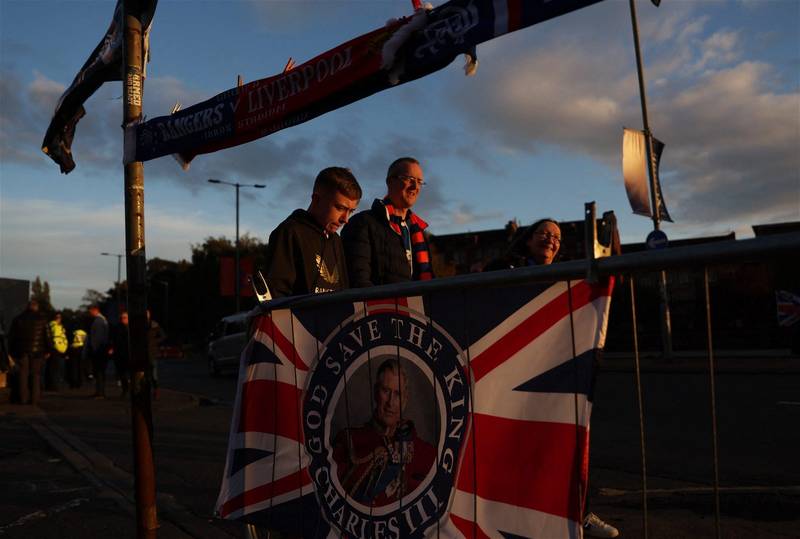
pixel 743 305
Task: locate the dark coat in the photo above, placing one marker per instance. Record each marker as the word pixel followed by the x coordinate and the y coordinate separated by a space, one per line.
pixel 29 334
pixel 375 253
pixel 155 336
pixel 119 340
pixel 303 259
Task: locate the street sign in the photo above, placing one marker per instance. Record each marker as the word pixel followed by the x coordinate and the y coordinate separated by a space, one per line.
pixel 656 240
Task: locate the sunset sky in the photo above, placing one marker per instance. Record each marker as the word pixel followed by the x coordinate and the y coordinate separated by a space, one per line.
pixel 536 132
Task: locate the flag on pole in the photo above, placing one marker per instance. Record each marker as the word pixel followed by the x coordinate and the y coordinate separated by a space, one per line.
pixel 412 417
pixel 103 65
pixel 636 175
pixel 402 51
pixel 788 308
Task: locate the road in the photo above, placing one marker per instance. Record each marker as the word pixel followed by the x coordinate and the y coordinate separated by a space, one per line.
pixel 758 416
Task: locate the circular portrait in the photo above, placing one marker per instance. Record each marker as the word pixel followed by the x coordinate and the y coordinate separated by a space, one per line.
pixel 385 430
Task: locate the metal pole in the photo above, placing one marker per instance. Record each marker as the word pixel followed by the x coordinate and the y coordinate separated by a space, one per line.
pixel 119 283
pixel 711 374
pixel 666 322
pixel 141 413
pixel 238 278
pixel 638 374
pixel 119 271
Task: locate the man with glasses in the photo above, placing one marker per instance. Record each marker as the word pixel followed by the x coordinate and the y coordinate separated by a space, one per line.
pixel 304 254
pixel 386 244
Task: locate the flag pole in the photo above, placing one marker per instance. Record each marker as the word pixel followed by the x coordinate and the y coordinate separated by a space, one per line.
pixel 666 323
pixel 141 411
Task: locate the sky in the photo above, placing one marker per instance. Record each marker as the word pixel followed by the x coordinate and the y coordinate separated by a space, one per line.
pixel 536 132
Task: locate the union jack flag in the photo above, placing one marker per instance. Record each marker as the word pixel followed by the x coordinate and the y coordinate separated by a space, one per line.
pixel 515 464
pixel 788 308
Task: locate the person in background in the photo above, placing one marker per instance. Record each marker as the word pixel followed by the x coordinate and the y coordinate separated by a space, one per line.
pixel 98 349
pixel 29 346
pixel 120 351
pixel 386 244
pixel 537 245
pixel 155 336
pixel 54 369
pixel 75 354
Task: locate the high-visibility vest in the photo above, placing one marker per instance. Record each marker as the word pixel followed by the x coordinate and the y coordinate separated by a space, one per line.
pixel 59 336
pixel 78 338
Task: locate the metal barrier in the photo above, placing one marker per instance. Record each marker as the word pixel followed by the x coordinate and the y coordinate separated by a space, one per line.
pixel 629 265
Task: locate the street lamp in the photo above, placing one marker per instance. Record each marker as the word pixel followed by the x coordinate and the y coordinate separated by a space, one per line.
pixel 237 185
pixel 119 277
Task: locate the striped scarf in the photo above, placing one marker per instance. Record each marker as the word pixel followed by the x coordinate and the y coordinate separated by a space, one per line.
pixel 420 255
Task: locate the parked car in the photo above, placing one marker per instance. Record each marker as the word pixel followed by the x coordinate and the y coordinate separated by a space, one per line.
pixel 226 342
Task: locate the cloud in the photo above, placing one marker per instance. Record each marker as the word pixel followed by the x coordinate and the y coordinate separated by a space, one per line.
pixel 70 237
pixel 730 125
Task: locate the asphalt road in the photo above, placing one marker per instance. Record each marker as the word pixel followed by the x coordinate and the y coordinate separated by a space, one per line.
pixel 758 416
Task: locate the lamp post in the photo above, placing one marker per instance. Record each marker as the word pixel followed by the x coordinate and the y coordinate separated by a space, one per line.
pixel 237 185
pixel 119 278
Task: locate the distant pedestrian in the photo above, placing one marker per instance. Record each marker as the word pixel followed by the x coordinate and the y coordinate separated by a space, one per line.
pixel 97 349
pixel 120 351
pixel 29 346
pixel 155 336
pixel 75 355
pixel 54 368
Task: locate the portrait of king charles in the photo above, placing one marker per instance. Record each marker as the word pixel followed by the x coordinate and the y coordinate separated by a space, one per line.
pixel 384 459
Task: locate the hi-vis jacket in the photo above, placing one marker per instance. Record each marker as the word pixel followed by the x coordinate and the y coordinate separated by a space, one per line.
pixel 59 337
pixel 78 339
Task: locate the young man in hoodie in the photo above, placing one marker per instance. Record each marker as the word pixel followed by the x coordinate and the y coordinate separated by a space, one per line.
pixel 304 254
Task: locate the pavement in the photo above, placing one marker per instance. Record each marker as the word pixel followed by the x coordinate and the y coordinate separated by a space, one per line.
pixel 58 485
pixel 66 465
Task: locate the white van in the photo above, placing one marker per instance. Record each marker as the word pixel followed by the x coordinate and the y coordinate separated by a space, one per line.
pixel 226 342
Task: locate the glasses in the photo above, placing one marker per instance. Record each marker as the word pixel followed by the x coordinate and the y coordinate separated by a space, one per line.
pixel 410 179
pixel 549 236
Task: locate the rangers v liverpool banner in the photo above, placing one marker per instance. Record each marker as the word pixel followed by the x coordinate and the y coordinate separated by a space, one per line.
pixel 402 51
pixel 456 414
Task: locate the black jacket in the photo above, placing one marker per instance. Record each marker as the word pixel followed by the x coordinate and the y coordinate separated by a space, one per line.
pixel 303 259
pixel 375 253
pixel 155 336
pixel 29 334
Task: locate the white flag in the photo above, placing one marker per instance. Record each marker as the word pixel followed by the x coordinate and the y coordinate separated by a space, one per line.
pixel 634 171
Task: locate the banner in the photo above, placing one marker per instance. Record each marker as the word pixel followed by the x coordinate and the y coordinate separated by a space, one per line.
pixel 227 272
pixel 454 415
pixel 636 175
pixel 402 51
pixel 103 65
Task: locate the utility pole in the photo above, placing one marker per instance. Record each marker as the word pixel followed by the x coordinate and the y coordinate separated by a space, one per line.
pixel 238 277
pixel 141 412
pixel 666 323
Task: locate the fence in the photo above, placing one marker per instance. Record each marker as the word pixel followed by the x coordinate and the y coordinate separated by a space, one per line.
pixel 283 342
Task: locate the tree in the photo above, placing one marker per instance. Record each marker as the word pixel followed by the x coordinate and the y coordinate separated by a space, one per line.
pixel 41 293
pixel 93 297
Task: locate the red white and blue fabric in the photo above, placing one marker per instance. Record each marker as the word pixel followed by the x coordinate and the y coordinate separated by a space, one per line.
pixel 788 308
pixel 524 461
